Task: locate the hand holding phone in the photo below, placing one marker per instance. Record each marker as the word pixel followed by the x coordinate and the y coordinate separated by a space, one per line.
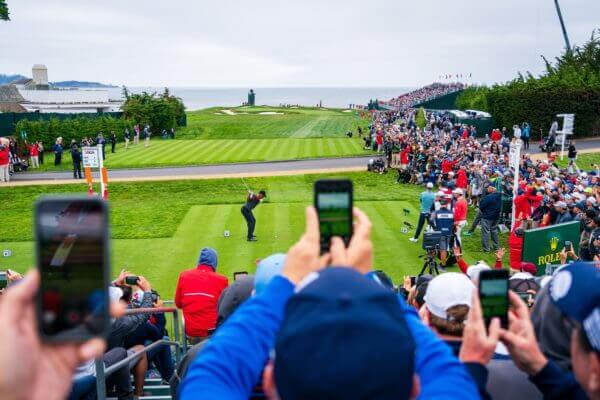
pixel 493 295
pixel 132 280
pixel 333 200
pixel 3 280
pixel 568 246
pixel 72 258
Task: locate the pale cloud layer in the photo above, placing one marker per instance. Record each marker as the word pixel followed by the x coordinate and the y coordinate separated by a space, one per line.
pixel 285 43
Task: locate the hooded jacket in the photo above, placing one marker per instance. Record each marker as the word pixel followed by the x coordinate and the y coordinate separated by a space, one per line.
pixel 198 291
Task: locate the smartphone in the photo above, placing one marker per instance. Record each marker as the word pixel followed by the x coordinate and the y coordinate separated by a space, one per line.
pixel 333 202
pixel 72 251
pixel 3 280
pixel 568 246
pixel 413 280
pixel 238 275
pixel 493 295
pixel 131 280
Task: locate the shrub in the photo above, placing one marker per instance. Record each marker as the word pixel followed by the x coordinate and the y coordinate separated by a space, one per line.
pixel 71 128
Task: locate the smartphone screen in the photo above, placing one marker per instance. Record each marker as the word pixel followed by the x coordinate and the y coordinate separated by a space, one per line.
pixel 493 295
pixel 238 275
pixel 72 257
pixel 3 280
pixel 333 201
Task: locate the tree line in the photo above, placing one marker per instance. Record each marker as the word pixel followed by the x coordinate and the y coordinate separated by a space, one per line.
pixel 571 84
pixel 159 111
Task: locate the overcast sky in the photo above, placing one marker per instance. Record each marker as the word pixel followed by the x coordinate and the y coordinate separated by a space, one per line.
pixel 287 43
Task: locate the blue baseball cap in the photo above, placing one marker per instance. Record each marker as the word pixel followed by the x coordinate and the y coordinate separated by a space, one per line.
pixel 344 336
pixel 575 290
pixel 267 269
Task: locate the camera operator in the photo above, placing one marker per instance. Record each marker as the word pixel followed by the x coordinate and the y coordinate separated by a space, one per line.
pixel 443 221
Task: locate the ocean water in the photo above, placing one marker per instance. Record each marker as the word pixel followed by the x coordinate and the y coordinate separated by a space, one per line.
pixel 196 98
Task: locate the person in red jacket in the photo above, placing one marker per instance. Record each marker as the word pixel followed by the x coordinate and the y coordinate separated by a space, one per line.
pixel 447 165
pixel 515 246
pixel 461 178
pixel 496 135
pixel 404 157
pixel 197 294
pixel 522 205
pixel 34 152
pixel 4 162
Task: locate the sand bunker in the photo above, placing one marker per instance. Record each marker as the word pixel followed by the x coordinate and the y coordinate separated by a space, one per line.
pixel 270 113
pixel 347 111
pixel 228 112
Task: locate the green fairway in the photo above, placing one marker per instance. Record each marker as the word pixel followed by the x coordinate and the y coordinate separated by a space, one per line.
pixel 163 153
pixel 249 123
pixel 213 137
pixel 584 161
pixel 158 228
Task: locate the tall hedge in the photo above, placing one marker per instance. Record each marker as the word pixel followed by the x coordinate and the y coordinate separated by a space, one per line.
pixel 570 85
pixel 72 128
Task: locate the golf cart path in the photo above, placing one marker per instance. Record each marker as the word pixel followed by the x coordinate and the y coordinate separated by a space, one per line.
pixel 268 168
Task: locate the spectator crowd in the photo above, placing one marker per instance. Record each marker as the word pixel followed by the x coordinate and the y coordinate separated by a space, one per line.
pixel 423 94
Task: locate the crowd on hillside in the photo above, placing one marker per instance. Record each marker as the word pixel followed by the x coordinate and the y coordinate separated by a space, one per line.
pixel 451 157
pixel 299 330
pixel 425 93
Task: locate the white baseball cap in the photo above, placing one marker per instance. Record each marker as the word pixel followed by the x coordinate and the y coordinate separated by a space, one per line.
pixel 429 185
pixel 457 191
pixel 474 270
pixel 448 290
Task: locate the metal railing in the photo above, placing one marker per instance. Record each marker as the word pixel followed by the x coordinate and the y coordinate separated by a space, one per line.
pixel 103 373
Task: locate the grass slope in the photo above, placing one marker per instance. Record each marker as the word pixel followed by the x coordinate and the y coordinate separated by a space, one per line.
pixel 248 123
pixel 215 139
pixel 158 229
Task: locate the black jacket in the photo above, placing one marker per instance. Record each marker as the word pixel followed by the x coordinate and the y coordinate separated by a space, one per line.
pixel 121 327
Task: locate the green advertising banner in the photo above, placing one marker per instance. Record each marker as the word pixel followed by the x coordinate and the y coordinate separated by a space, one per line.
pixel 542 246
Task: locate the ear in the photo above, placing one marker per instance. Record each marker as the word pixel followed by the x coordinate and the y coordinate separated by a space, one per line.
pixel 416 387
pixel 268 381
pixel 594 375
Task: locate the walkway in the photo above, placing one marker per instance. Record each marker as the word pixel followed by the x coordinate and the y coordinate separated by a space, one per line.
pixel 269 168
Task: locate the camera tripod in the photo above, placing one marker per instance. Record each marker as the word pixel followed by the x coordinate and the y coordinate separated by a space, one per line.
pixel 430 264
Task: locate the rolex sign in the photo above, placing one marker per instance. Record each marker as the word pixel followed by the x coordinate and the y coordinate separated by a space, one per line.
pixel 542 246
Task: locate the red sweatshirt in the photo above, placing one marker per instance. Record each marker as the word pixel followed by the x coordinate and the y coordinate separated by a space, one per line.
pixel 4 159
pixel 522 206
pixel 496 135
pixel 33 150
pixel 515 248
pixel 197 294
pixel 404 156
pixel 461 179
pixel 460 210
pixel 462 264
pixel 447 166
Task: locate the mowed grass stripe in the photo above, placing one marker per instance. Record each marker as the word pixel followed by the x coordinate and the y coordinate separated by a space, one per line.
pixel 319 148
pixel 202 150
pixel 212 152
pixel 245 153
pixel 176 152
pixel 260 150
pixel 271 149
pixel 233 149
pixel 330 147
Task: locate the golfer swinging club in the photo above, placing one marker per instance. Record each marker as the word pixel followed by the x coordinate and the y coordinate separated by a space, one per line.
pixel 252 201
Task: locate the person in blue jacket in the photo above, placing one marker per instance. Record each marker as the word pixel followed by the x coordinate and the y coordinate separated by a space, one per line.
pixel 575 290
pixel 340 336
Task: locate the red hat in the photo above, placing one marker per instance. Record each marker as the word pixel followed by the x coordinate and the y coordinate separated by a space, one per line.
pixel 529 267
